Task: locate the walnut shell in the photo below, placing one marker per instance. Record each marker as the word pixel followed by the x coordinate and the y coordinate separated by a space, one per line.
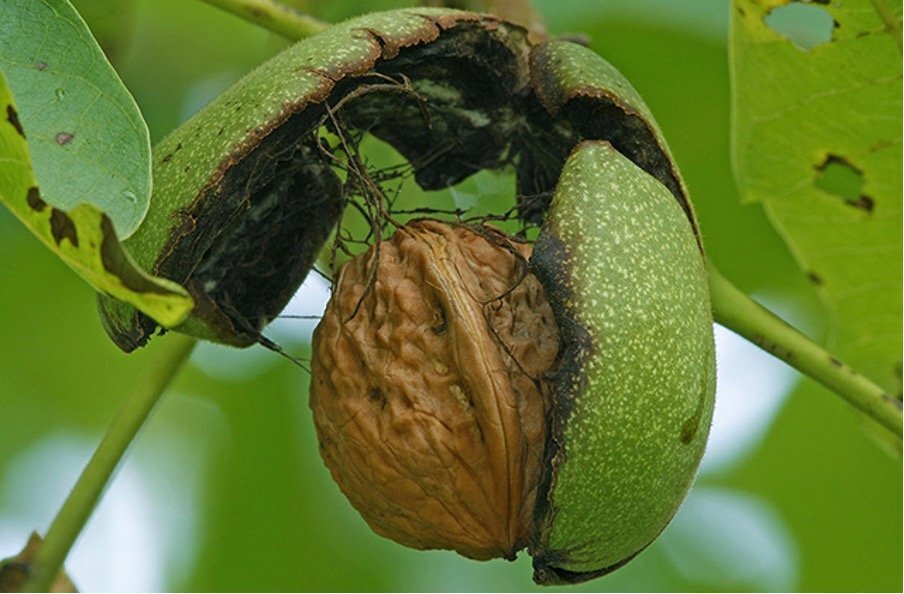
pixel 429 395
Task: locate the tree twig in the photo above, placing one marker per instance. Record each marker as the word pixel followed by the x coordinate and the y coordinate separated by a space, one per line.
pixel 741 314
pixel 520 12
pixel 891 22
pixel 69 521
pixel 275 16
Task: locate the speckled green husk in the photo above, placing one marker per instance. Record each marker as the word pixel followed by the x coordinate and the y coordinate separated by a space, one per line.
pixel 619 254
pixel 635 391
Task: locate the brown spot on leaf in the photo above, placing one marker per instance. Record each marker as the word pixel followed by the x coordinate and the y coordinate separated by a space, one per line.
pixel 814 278
pixel 13 118
pixel 41 66
pixel 63 138
pixel 62 227
pixel 836 361
pixel 33 199
pixel 862 202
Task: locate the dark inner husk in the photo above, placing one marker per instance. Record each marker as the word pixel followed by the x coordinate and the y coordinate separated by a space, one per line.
pixel 452 107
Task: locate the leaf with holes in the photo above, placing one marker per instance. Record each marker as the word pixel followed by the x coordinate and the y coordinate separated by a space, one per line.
pixel 82 236
pixel 817 140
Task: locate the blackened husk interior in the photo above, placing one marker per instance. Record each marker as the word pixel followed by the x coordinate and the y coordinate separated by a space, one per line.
pixel 468 106
pixel 255 235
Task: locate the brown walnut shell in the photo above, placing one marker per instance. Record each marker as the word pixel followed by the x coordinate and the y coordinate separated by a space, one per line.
pixel 428 393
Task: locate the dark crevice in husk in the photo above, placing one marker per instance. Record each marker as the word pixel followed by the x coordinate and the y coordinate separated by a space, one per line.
pixel 551 264
pixel 546 573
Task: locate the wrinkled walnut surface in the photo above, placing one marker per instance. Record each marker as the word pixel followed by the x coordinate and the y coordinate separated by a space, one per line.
pixel 429 402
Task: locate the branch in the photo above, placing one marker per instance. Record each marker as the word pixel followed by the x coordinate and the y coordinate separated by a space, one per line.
pixel 891 22
pixel 275 16
pixel 520 12
pixel 83 498
pixel 741 314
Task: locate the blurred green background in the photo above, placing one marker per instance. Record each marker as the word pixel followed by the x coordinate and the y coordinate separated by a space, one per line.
pixel 224 489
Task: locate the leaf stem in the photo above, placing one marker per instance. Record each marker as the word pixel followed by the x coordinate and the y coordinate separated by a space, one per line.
pixel 520 12
pixel 892 23
pixel 275 16
pixel 83 498
pixel 741 314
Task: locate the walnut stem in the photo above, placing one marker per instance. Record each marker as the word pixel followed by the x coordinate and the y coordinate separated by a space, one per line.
pixel 275 16
pixel 741 314
pixel 83 498
pixel 520 12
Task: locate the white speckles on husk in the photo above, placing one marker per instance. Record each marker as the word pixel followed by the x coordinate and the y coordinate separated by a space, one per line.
pixel 634 393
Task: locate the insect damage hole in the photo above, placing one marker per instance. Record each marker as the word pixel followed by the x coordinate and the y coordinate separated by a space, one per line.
pixel 803 23
pixel 836 175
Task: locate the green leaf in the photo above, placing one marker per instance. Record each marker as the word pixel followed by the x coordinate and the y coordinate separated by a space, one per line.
pixel 817 140
pixel 83 236
pixel 88 140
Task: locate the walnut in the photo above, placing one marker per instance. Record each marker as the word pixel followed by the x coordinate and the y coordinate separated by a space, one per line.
pixel 428 388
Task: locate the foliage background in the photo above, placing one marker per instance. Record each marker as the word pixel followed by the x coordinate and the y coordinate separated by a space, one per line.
pixel 224 490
